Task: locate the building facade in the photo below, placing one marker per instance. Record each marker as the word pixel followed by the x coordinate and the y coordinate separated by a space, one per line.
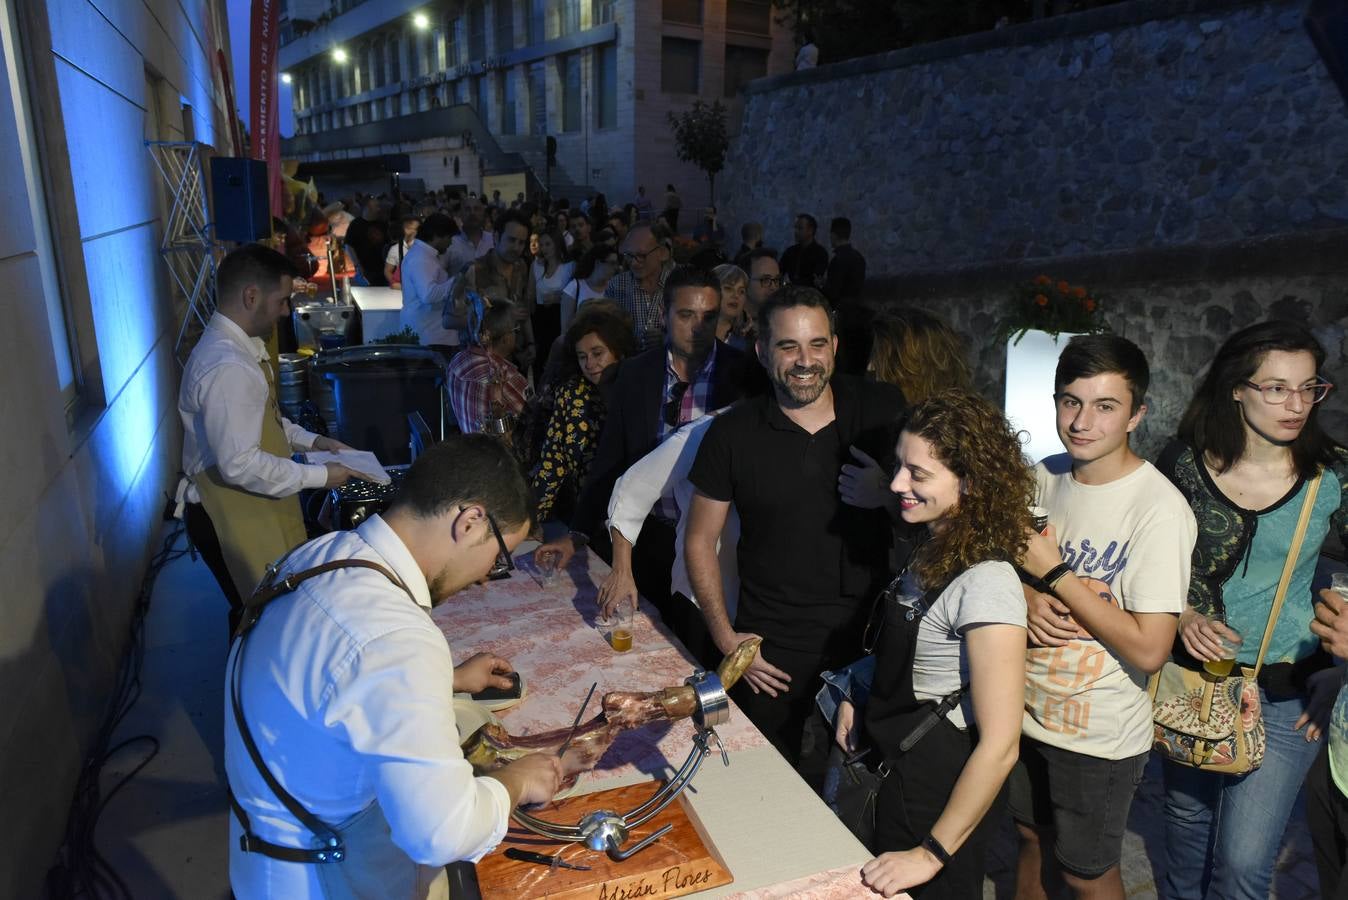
pixel 88 381
pixel 599 76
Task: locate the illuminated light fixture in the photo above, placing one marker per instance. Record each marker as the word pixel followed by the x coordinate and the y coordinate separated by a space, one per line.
pixel 285 78
pixel 421 21
pixel 339 54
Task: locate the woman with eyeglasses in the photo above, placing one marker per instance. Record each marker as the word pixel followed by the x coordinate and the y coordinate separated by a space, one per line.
pixel 1248 447
pixel 942 720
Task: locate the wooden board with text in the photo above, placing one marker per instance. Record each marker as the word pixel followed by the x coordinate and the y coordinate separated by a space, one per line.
pixel 682 862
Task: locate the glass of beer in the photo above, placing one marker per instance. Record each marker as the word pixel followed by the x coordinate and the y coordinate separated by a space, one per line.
pixel 1223 666
pixel 620 637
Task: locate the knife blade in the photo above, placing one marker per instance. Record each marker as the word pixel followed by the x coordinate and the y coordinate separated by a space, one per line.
pixel 576 724
pixel 542 859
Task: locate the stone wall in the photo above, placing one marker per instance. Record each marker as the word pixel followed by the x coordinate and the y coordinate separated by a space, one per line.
pixel 1147 124
pixel 1183 159
pixel 1177 305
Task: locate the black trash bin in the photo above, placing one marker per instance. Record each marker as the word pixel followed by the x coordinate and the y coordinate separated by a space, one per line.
pixel 375 387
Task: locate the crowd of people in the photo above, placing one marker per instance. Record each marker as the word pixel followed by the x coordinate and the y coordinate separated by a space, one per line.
pixel 758 455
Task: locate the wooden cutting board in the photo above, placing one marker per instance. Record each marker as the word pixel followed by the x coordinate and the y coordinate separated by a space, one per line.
pixel 682 862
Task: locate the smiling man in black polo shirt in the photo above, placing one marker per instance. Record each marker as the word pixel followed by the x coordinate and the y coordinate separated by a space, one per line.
pixel 809 563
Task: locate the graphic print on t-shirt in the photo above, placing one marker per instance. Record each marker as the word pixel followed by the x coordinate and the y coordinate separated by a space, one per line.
pixel 1058 678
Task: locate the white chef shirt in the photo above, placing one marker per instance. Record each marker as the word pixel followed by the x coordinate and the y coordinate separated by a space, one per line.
pixel 221 401
pixel 348 690
pixel 663 471
pixel 463 251
pixel 426 285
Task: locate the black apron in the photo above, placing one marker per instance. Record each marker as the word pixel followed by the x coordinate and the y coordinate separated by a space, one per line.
pixel 921 754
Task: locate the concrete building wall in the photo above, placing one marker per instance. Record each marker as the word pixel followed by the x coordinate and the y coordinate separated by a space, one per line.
pixel 86 82
pixel 637 149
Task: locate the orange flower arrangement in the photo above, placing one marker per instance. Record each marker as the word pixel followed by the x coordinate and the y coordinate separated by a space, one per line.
pixel 1052 306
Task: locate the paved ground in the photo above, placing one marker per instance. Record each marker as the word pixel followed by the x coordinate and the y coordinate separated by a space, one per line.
pixel 165 832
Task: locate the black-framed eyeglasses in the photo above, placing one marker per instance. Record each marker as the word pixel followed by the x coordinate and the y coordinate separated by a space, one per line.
pixel 637 257
pixel 769 281
pixel 1277 393
pixel 674 405
pixel 504 564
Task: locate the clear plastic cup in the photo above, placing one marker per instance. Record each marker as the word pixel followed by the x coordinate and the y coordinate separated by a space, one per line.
pixel 547 568
pixel 620 632
pixel 1221 668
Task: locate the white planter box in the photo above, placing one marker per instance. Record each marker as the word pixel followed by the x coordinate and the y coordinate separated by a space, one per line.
pixel 1030 365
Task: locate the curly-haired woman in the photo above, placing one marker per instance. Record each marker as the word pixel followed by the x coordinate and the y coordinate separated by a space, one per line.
pixel 949 640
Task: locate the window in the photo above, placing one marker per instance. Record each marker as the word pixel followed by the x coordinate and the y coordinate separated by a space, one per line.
pixel 505 26
pixel 508 98
pixel 569 21
pixel 413 56
pixel 742 65
pixel 538 99
pixel 538 21
pixel 571 97
pixel 601 11
pixel 477 31
pixel 606 83
pixel 685 12
pixel 680 62
pixel 455 42
pixel 64 351
pixel 484 97
pixel 380 72
pixel 395 64
pixel 748 16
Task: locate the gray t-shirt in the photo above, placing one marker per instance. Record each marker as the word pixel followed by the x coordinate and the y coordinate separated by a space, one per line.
pixel 986 594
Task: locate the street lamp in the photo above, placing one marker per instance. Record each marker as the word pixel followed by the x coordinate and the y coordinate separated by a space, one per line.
pixel 339 55
pixel 422 21
pixel 285 78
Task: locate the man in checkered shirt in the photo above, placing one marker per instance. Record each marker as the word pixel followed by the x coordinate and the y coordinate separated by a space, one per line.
pixel 648 252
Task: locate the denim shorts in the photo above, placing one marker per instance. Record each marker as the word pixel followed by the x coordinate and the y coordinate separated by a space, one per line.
pixel 1084 800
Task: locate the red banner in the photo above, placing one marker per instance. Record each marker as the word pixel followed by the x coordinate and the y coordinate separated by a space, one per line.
pixel 266 143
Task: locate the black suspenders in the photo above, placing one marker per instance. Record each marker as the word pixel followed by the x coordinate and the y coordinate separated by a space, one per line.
pixel 332 849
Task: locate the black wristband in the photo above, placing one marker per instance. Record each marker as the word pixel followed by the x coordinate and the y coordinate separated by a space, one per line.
pixel 1055 574
pixel 933 846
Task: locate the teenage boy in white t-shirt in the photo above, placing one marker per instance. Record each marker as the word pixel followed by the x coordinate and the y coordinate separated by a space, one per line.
pixel 1116 555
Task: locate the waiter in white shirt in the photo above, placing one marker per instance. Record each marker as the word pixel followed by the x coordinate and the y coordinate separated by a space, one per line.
pixel 426 286
pixel 341 744
pixel 241 507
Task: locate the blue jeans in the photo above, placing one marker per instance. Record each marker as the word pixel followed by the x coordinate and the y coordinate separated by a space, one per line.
pixel 1222 831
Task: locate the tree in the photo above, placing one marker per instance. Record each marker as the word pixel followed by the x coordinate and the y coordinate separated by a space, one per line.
pixel 701 138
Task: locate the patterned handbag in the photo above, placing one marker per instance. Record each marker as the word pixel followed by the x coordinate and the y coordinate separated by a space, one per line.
pixel 1215 723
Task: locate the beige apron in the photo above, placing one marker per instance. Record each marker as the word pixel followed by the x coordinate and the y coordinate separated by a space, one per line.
pixel 254 529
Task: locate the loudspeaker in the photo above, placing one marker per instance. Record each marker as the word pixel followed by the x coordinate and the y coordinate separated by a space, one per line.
pixel 239 190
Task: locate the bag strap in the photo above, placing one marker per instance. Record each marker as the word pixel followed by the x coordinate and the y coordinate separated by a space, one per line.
pixel 333 850
pixel 1307 504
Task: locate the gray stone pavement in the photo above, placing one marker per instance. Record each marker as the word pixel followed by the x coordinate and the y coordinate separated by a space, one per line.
pixel 1144 854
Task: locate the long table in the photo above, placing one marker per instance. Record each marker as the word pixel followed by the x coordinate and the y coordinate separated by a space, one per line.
pixel 776 837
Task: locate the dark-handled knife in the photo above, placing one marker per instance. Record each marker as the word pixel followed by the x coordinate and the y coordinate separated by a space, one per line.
pixel 542 859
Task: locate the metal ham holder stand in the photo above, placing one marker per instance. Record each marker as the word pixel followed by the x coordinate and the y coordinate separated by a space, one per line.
pixel 606 830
